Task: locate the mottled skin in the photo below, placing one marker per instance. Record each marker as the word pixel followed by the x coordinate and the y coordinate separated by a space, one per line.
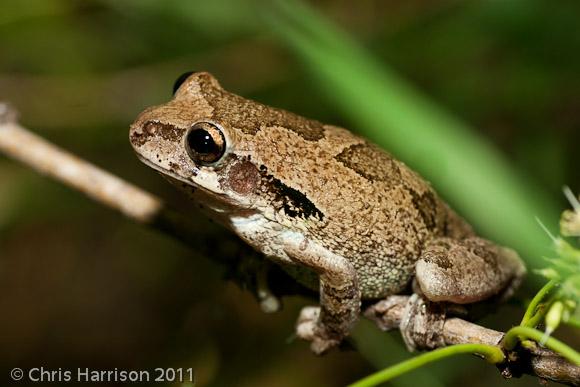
pixel 335 211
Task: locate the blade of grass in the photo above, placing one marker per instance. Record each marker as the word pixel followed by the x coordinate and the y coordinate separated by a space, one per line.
pixel 382 350
pixel 492 353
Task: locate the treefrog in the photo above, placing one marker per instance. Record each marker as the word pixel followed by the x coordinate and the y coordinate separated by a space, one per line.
pixel 335 211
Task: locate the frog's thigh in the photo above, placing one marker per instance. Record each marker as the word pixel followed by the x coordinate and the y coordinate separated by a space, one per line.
pixel 467 271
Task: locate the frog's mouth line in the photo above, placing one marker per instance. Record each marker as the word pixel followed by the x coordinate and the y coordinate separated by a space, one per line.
pixel 222 197
pixel 168 172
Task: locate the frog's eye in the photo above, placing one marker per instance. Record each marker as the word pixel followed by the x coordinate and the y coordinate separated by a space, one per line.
pixel 205 143
pixel 179 81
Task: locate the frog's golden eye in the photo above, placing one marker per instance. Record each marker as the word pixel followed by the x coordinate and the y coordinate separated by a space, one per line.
pixel 205 143
pixel 179 81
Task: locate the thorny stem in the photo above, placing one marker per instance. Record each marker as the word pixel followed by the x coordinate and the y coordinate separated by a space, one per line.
pixel 491 353
pixel 514 335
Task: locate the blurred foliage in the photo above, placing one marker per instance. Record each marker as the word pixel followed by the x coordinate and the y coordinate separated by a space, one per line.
pixel 82 287
pixel 563 271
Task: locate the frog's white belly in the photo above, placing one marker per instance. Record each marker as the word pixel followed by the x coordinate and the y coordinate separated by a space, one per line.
pixel 269 237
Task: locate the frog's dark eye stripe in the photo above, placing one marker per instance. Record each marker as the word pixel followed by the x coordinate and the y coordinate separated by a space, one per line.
pixel 179 81
pixel 205 143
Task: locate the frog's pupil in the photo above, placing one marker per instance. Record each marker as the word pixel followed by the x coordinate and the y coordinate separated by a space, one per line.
pixel 205 143
pixel 201 141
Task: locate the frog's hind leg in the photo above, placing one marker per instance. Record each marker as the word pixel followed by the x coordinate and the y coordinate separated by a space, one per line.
pixel 452 272
pixel 467 271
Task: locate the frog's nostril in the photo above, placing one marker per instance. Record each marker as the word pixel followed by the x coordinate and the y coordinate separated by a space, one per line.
pixel 179 81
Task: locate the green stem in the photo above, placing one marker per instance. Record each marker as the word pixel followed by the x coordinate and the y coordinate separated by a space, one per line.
pixel 536 301
pixel 515 334
pixel 492 353
pixel 541 311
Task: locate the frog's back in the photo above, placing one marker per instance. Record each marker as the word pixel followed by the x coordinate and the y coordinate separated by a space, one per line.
pixel 352 197
pixel 379 214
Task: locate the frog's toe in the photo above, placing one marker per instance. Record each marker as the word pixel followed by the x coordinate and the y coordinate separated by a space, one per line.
pixel 308 327
pixel 322 345
pixel 422 323
pixel 307 323
pixel 269 303
pixel 309 313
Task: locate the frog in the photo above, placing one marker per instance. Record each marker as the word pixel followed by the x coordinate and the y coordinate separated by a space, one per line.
pixel 339 214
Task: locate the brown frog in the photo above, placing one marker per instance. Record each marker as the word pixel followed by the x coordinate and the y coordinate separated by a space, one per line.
pixel 336 212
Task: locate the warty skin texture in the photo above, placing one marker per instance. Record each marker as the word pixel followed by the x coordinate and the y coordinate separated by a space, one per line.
pixel 334 210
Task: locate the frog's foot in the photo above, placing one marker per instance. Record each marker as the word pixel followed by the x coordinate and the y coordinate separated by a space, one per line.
pixel 309 327
pixel 422 323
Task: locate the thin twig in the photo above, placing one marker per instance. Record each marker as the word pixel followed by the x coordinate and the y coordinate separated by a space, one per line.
pixel 74 172
pixel 529 359
pixel 142 207
pixel 105 188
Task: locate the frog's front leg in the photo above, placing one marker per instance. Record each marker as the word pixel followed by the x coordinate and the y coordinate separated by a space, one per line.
pixel 340 298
